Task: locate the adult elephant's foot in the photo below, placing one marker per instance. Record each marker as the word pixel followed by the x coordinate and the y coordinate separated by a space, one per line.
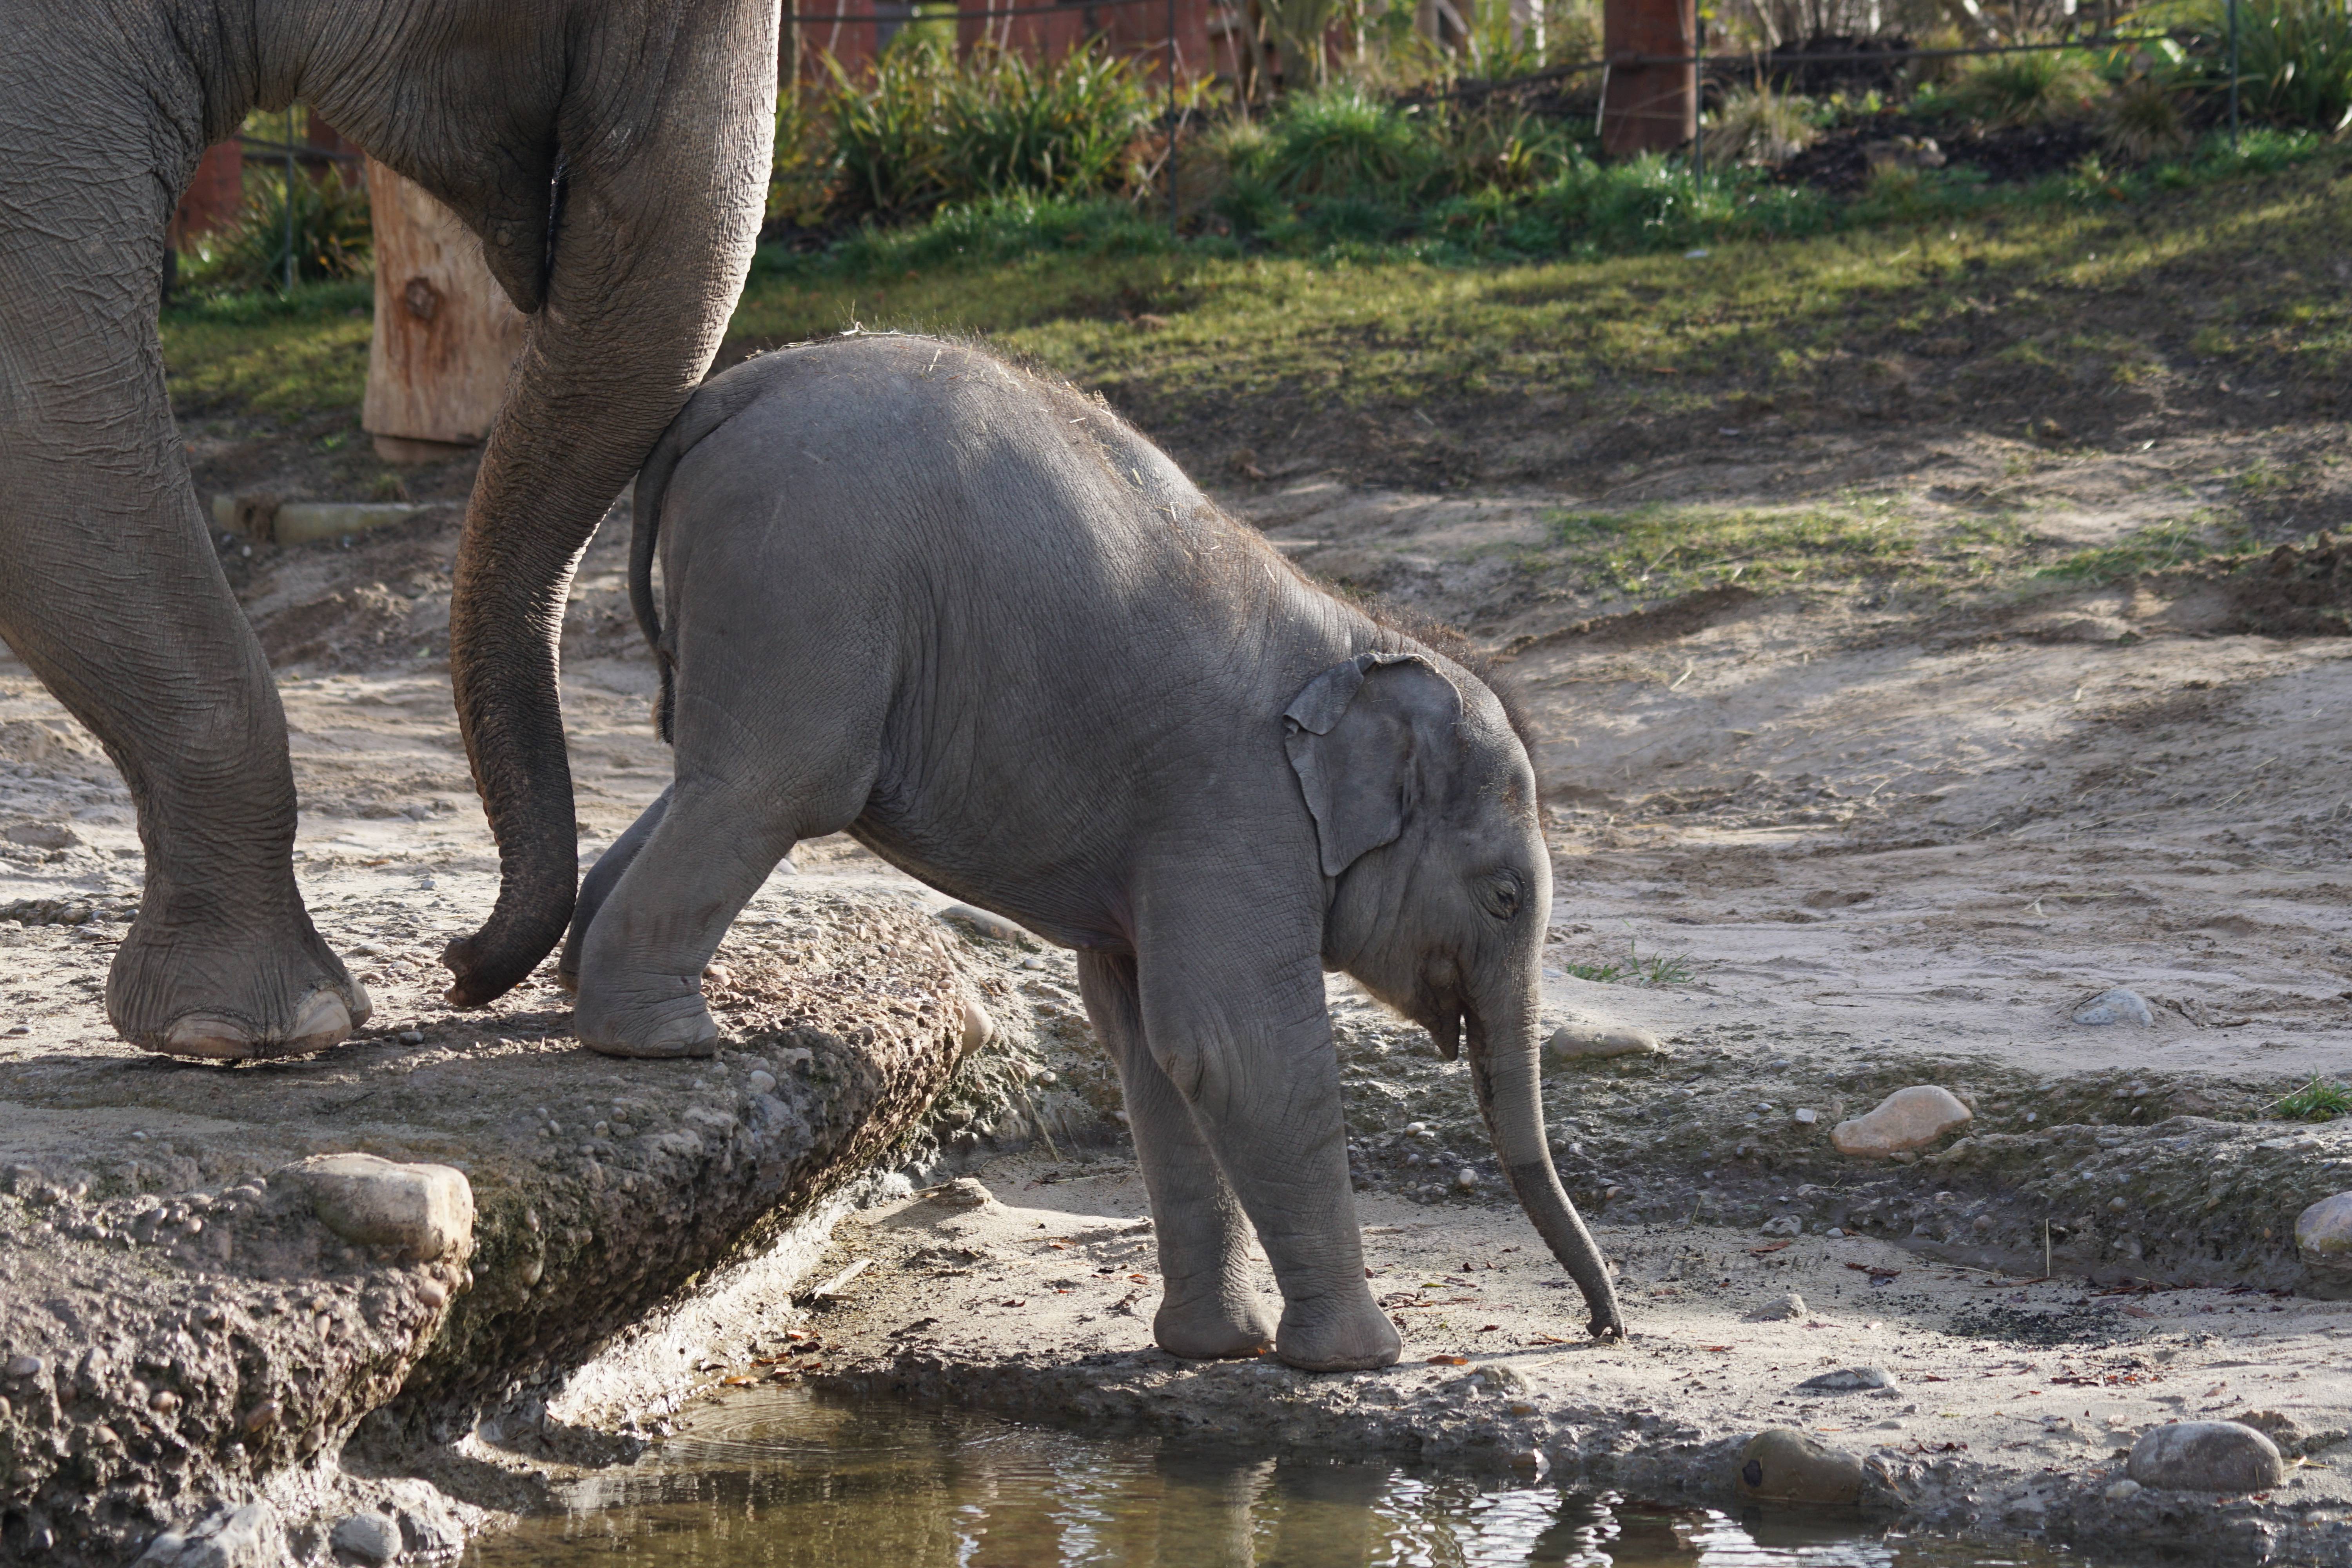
pixel 242 999
pixel 1220 1326
pixel 613 1021
pixel 1344 1335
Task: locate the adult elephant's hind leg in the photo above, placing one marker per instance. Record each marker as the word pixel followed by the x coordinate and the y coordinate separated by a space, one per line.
pixel 1208 1309
pixel 111 591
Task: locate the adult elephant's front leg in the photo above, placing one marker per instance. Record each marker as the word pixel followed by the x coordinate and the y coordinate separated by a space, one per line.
pixel 111 591
pixel 1233 1013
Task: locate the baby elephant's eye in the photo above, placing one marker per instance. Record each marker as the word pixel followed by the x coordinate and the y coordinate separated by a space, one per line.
pixel 1499 891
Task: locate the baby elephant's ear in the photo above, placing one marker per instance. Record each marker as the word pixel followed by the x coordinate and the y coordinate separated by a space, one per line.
pixel 1359 736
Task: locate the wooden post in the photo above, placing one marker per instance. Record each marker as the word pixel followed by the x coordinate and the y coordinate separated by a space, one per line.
pixel 446 335
pixel 1648 109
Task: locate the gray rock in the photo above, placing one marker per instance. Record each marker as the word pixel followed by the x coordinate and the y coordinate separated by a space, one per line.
pixel 1783 1225
pixel 421 1212
pixel 2206 1456
pixel 1787 1309
pixel 2323 1240
pixel 1848 1379
pixel 964 1193
pixel 23 1366
pixel 2117 1007
pixel 370 1537
pixel 43 835
pixel 248 1537
pixel 1785 1466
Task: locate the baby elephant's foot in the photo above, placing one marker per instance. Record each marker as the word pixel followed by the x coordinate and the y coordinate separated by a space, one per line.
pixel 618 1025
pixel 1213 1327
pixel 1337 1336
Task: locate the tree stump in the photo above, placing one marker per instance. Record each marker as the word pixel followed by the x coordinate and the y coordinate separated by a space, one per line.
pixel 1648 108
pixel 446 335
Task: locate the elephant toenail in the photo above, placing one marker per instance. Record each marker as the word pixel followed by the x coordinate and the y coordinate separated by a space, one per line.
pixel 203 1035
pixel 322 1021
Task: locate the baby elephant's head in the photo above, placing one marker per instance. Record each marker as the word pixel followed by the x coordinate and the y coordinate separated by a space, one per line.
pixel 1424 808
pixel 1424 802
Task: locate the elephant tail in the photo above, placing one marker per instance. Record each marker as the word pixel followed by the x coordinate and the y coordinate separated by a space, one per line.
pixel 716 402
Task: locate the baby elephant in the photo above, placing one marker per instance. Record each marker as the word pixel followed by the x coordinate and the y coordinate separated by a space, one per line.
pixel 976 621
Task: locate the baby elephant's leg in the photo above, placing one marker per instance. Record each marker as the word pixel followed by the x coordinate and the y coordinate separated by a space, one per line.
pixel 762 763
pixel 640 966
pixel 598 885
pixel 1207 1307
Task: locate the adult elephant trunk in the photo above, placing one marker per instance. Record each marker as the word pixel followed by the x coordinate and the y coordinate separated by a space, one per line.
pixel 650 233
pixel 1503 1060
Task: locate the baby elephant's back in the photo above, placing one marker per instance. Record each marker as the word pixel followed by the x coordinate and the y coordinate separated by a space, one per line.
pixel 911 482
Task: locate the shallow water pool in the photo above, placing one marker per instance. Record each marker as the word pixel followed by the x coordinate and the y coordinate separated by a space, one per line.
pixel 777 1478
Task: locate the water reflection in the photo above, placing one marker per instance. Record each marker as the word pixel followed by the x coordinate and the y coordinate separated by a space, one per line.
pixel 782 1479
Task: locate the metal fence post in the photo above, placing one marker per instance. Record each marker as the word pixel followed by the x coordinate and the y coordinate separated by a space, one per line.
pixel 2233 75
pixel 290 198
pixel 1698 112
pixel 1177 120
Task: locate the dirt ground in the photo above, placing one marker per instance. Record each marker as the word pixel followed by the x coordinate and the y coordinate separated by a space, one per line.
pixel 1852 840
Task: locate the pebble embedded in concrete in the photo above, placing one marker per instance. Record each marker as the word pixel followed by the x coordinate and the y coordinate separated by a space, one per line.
pixel 2119 1005
pixel 422 1212
pixel 2206 1456
pixel 1785 1466
pixel 1582 1040
pixel 1848 1379
pixel 1910 1118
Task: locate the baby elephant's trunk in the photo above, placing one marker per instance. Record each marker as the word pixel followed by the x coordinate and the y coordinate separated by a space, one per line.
pixel 1504 1059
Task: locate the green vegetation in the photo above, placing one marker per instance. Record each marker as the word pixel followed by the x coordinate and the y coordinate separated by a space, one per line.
pixel 2295 60
pixel 926 127
pixel 261 353
pixel 2318 1101
pixel 1658 969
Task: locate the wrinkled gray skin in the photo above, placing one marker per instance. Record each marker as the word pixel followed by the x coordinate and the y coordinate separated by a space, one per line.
pixel 984 627
pixel 612 154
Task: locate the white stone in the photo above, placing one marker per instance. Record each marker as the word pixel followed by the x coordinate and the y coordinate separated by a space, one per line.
pixel 2117 1007
pixel 1788 1309
pixel 760 1082
pixel 1908 1118
pixel 1784 1225
pixel 2206 1456
pixel 1583 1039
pixel 2124 1490
pixel 370 1537
pixel 977 1027
pixel 1807 1116
pixel 421 1212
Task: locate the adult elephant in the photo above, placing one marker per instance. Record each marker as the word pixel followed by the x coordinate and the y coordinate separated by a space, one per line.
pixel 612 155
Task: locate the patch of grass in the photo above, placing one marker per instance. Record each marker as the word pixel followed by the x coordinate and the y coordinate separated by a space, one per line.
pixel 2155 548
pixel 1672 549
pixel 279 356
pixel 2318 1101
